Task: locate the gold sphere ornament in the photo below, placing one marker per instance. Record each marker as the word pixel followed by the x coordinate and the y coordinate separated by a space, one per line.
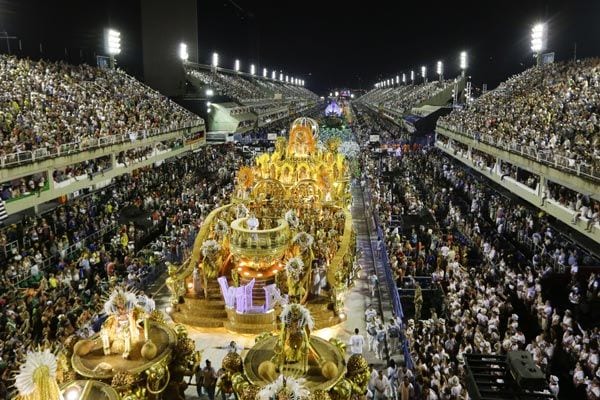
pixel 267 371
pixel 232 362
pixel 357 364
pixel 149 350
pixel 320 395
pixel 83 347
pixel 250 392
pixel 329 370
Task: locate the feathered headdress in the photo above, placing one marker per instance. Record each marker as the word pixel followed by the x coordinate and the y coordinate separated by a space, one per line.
pixel 36 379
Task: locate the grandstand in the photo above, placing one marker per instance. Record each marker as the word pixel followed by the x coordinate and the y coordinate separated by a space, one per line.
pixel 65 128
pixel 270 100
pixel 536 132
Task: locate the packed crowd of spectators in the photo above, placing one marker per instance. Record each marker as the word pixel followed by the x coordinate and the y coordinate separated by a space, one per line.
pixel 52 282
pixel 493 258
pixel 25 186
pixel 551 110
pixel 407 99
pixel 245 90
pixel 403 98
pixel 47 104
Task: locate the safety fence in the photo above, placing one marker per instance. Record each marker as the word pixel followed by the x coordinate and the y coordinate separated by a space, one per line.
pixel 65 149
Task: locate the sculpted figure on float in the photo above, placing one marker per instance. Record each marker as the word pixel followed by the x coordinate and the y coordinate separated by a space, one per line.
pixel 293 343
pixel 120 330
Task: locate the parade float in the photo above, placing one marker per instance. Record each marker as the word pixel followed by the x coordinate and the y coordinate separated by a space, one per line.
pixel 135 356
pixel 295 365
pixel 286 237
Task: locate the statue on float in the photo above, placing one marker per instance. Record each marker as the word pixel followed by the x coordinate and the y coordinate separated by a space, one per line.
pixel 299 267
pixel 293 344
pixel 120 332
pixel 210 262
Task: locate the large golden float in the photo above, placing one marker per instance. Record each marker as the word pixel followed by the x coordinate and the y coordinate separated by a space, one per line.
pixel 286 236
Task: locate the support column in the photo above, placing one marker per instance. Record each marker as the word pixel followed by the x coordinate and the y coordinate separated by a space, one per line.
pixel 50 178
pixel 542 189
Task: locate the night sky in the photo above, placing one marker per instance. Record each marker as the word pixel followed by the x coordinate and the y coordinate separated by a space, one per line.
pixel 329 44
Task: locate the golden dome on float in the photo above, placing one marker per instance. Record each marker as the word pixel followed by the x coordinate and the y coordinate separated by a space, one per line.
pixel 307 122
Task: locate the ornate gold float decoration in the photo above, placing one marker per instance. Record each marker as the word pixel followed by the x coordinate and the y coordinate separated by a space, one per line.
pixel 151 366
pixel 295 365
pixel 291 204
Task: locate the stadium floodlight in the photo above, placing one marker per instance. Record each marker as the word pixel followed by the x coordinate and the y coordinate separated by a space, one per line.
pixel 424 72
pixel 208 103
pixel 351 95
pixel 209 92
pixel 330 94
pixel 439 68
pixel 273 75
pixel 237 66
pixel 183 52
pixel 215 60
pixel 403 77
pixel 281 76
pixel 412 76
pixel 538 38
pixel 252 69
pixel 463 61
pixel 286 79
pixel 397 79
pixel 302 82
pixel 337 93
pixel 113 42
pixel 264 72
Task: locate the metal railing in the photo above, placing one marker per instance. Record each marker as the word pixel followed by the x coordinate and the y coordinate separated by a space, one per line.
pixel 532 152
pixel 39 154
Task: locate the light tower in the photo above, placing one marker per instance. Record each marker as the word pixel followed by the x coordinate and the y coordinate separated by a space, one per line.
pixel 215 61
pixel 412 77
pixel 237 66
pixel 440 70
pixel 463 62
pixel 538 41
pixel 113 45
pixel 403 77
pixel 264 72
pixel 252 69
pixel 183 52
pixel 424 73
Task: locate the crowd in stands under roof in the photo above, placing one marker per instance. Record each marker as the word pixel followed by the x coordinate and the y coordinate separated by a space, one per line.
pixel 247 90
pixel 403 98
pixel 47 104
pixel 552 109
